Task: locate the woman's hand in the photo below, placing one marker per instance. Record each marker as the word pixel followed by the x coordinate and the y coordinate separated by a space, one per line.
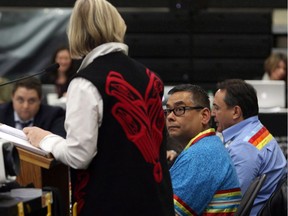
pixel 35 135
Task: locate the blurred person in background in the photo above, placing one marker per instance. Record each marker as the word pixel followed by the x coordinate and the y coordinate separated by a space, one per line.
pixel 275 67
pixel 61 77
pixel 26 109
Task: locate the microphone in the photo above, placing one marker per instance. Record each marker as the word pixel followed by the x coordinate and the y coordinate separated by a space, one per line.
pixel 48 69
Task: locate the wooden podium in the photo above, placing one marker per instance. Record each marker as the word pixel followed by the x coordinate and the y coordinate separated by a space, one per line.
pixel 43 171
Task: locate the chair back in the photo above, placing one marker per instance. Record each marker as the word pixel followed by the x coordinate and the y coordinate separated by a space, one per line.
pixel 58 202
pixel 277 202
pixel 249 196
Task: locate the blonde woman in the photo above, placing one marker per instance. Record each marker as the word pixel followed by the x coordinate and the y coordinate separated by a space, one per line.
pixel 114 122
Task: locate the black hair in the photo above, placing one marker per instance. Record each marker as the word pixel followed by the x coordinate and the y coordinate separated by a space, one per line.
pixel 239 93
pixel 199 95
pixel 30 83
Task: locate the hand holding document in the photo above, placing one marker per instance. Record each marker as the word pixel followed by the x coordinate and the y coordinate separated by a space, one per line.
pixel 19 139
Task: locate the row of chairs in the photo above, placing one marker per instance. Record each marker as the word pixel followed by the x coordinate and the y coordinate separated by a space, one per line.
pixel 276 205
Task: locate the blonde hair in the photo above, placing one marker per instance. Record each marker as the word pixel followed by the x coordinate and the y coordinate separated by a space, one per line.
pixel 271 63
pixel 92 23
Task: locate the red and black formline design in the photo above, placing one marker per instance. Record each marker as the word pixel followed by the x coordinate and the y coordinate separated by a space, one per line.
pixel 141 118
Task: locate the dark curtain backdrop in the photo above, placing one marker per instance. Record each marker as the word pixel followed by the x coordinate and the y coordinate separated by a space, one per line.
pixel 31 30
pixel 29 37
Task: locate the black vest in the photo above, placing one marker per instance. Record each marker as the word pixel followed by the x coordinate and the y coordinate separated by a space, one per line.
pixel 129 174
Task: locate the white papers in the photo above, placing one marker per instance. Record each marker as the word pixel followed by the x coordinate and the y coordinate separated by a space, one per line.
pixel 18 137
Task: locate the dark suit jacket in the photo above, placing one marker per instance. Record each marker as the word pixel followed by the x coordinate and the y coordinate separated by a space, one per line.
pixel 49 118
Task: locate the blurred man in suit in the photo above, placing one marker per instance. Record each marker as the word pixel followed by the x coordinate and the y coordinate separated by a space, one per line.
pixel 26 109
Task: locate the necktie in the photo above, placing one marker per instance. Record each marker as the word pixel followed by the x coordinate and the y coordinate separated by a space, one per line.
pixel 24 124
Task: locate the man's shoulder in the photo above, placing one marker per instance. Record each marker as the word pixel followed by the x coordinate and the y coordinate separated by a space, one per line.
pixel 6 108
pixel 208 145
pixel 258 136
pixel 6 113
pixel 213 140
pixel 6 105
pixel 48 109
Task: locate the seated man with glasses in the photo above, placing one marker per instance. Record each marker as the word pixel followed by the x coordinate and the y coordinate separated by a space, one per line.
pixel 203 176
pixel 26 109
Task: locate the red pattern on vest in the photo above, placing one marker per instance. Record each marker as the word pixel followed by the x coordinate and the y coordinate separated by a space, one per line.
pixel 135 117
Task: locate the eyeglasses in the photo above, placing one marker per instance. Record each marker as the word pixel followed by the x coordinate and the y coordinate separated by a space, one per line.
pixel 178 111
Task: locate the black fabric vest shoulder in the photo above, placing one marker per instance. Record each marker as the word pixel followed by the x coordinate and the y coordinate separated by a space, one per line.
pixel 129 174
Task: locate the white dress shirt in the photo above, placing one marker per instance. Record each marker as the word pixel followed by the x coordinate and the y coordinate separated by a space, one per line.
pixel 84 113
